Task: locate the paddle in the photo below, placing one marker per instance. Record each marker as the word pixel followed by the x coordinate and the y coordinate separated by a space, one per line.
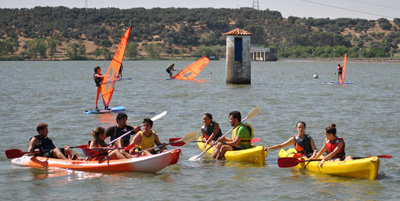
pixel 16 153
pixel 187 138
pixel 291 162
pixel 254 140
pixel 127 133
pixel 251 114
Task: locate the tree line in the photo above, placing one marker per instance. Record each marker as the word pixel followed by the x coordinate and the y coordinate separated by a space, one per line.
pixel 42 32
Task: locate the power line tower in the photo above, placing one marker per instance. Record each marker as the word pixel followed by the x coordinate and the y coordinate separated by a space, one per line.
pixel 256 5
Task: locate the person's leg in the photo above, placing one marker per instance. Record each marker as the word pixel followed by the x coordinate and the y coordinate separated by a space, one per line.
pixel 58 154
pixel 216 150
pixel 224 149
pixel 70 152
pixel 97 96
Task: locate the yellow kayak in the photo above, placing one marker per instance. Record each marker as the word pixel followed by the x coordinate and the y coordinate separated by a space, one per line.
pixel 255 155
pixel 364 168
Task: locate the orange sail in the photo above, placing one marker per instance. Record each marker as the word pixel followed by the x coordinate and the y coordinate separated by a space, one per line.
pixel 110 78
pixel 344 68
pixel 191 71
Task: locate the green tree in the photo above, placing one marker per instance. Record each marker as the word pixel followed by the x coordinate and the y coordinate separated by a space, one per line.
pixel 52 46
pixel 154 50
pixel 36 47
pixel 8 46
pixel 97 52
pixel 131 50
pixel 106 53
pixel 202 51
pixel 76 51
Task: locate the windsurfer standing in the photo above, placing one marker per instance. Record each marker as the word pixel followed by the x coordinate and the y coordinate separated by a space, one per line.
pixel 340 71
pixel 169 70
pixel 98 78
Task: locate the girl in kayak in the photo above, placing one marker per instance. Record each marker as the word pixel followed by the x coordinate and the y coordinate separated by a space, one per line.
pixel 210 130
pixel 303 143
pixel 102 150
pixel 334 146
pixel 146 139
pixel 98 78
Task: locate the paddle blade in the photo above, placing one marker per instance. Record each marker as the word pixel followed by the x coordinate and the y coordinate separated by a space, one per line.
pixel 254 112
pixel 195 158
pixel 287 162
pixel 176 141
pixel 159 116
pixel 190 137
pixel 255 140
pixel 384 156
pixel 14 153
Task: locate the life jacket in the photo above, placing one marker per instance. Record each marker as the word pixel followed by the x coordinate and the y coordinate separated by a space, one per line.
pixel 303 145
pixel 245 142
pixel 331 145
pixel 94 154
pixel 97 80
pixel 339 69
pixel 209 130
pixel 147 141
pixel 45 144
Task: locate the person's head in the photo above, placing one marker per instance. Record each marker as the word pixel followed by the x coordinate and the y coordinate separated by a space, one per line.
pixel 121 119
pixel 207 119
pixel 338 65
pixel 98 133
pixel 301 127
pixel 42 129
pixel 97 69
pixel 330 131
pixel 147 124
pixel 235 118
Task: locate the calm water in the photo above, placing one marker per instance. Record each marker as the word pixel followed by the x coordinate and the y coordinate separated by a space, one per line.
pixel 367 115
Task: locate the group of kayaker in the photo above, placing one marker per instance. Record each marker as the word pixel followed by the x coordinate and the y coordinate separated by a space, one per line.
pixel 121 145
pixel 334 146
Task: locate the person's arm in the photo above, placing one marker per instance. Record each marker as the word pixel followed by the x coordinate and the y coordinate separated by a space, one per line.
pixel 136 139
pixel 313 148
pixel 158 143
pixel 214 133
pixel 334 152
pixel 321 151
pixel 286 143
pixel 93 144
pixel 32 143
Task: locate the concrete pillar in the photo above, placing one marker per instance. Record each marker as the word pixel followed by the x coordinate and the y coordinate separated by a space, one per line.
pixel 238 57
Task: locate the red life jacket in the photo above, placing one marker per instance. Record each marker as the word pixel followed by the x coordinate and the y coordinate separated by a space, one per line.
pixel 331 145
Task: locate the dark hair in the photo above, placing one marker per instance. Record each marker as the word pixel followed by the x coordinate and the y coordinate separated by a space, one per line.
pixel 208 115
pixel 41 126
pixel 338 64
pixel 301 122
pixel 331 129
pixel 147 120
pixel 95 69
pixel 236 115
pixel 98 131
pixel 120 116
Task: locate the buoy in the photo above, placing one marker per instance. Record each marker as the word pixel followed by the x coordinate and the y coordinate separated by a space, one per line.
pixel 315 76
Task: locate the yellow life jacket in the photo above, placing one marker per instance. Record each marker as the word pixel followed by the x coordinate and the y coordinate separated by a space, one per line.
pixel 147 141
pixel 246 142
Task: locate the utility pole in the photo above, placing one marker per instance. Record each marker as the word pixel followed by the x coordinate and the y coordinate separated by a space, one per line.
pixel 256 4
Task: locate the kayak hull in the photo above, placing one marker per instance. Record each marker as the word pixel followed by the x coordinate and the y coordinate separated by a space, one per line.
pixel 151 164
pixel 364 168
pixel 254 155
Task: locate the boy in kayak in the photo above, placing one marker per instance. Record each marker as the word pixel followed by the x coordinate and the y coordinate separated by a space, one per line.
pixel 334 146
pixel 41 145
pixel 118 130
pixel 146 139
pixel 169 70
pixel 303 143
pixel 210 130
pixel 241 137
pixel 98 78
pixel 100 148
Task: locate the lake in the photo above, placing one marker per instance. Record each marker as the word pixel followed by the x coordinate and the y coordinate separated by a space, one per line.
pixel 367 115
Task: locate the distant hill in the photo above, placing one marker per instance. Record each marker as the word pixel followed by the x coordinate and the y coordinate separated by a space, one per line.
pixel 180 31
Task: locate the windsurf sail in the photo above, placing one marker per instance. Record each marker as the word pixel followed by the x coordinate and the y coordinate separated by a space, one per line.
pixel 344 68
pixel 191 71
pixel 110 77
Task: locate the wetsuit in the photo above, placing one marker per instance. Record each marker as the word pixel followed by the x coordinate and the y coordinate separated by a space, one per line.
pixel 114 132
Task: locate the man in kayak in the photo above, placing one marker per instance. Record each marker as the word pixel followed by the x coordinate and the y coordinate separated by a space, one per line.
pixel 146 139
pixel 98 78
pixel 334 146
pixel 169 70
pixel 241 137
pixel 121 128
pixel 210 130
pixel 340 71
pixel 41 145
pixel 303 143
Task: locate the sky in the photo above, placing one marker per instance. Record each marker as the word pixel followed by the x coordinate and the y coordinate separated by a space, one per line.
pixel 364 9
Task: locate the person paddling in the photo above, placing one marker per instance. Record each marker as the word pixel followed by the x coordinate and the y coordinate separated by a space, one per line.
pixel 98 78
pixel 334 146
pixel 210 130
pixel 169 70
pixel 121 128
pixel 146 139
pixel 340 71
pixel 41 145
pixel 241 137
pixel 303 143
pixel 99 145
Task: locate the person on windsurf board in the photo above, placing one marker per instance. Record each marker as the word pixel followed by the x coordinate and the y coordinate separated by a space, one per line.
pixel 98 78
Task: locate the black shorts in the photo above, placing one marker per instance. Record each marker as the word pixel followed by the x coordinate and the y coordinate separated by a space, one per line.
pixel 50 154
